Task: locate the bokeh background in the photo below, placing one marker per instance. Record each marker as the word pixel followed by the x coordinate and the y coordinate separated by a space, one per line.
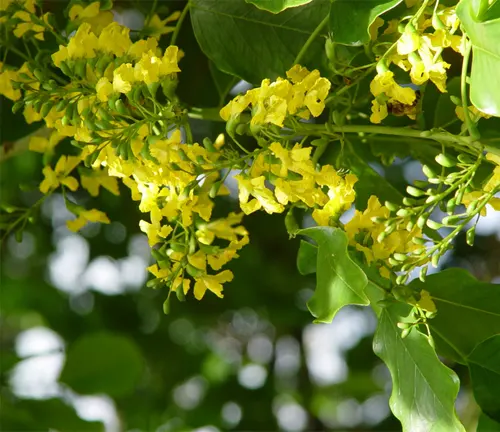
pixel 85 344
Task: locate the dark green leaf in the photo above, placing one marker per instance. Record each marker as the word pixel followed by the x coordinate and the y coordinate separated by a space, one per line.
pixel 340 281
pixel 276 6
pixel 350 20
pixel 486 424
pixel 423 389
pixel 222 81
pixel 103 363
pixel 370 182
pixel 253 44
pixel 306 258
pixel 468 311
pixel 483 30
pixel 50 414
pixel 484 366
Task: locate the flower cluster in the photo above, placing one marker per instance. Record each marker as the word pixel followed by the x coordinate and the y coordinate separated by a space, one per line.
pixel 418 51
pixel 382 247
pixel 303 94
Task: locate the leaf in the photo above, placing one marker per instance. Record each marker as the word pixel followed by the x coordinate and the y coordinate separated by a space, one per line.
pixel 277 6
pixel 350 20
pixel 223 82
pixel 103 363
pixel 370 182
pixel 339 281
pixel 483 29
pixel 468 311
pixel 485 424
pixel 50 414
pixel 306 258
pixel 423 389
pixel 253 44
pixel 484 366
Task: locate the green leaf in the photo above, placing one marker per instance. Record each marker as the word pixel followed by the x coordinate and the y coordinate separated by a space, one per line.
pixel 370 182
pixel 468 311
pixel 50 414
pixel 253 44
pixel 223 82
pixel 339 281
pixel 350 20
pixel 277 6
pixel 423 389
pixel 103 363
pixel 485 424
pixel 306 258
pixel 484 366
pixel 482 26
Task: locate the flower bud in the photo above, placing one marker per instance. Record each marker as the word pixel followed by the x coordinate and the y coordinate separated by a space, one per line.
pixel 445 160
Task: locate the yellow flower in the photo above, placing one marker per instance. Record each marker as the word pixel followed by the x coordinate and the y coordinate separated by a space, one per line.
pixel 263 197
pixel 91 14
pixel 384 83
pixel 157 27
pixel 97 178
pixel 379 112
pixel 198 260
pixel 42 144
pixel 170 59
pixel 114 39
pixel 60 175
pixel 373 29
pixel 103 88
pixel 142 46
pixel 6 89
pixel 86 216
pixel 212 283
pixel 155 231
pixel 123 78
pixel 409 41
pixel 82 45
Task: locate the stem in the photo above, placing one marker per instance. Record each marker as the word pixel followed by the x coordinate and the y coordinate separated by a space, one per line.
pixel 465 142
pixel 178 26
pixel 310 40
pixel 9 150
pixel 473 132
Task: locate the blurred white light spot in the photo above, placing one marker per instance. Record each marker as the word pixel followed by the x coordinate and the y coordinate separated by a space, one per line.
pixel 260 349
pixel 115 232
pixel 252 376
pixel 133 271
pixel 287 356
pixel 240 87
pixel 131 18
pixel 325 344
pixel 138 245
pixel 36 377
pixel 291 417
pixel 489 224
pixel 97 408
pixel 55 209
pixel 349 413
pixel 231 414
pixel 37 341
pixel 375 409
pixel 103 275
pixel 68 262
pixel 208 428
pixel 190 394
pixel 378 168
pixel 24 248
pixel 412 171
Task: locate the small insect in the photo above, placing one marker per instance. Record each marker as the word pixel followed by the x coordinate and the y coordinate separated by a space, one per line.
pixel 400 109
